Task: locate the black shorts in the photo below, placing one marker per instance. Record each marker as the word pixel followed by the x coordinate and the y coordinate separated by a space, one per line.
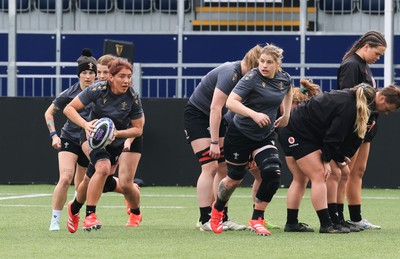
pixel 70 146
pixel 111 153
pixel 197 124
pixel 294 146
pixel 238 148
pixel 137 145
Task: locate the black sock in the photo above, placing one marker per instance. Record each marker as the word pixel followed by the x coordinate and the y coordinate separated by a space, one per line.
pixel 257 214
pixel 220 205
pixel 90 209
pixel 76 207
pixel 225 214
pixel 205 214
pixel 332 207
pixel 340 208
pixel 324 218
pixel 355 212
pixel 292 216
pixel 135 211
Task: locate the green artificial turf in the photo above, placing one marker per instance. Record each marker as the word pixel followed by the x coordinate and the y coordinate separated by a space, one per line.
pixel 168 228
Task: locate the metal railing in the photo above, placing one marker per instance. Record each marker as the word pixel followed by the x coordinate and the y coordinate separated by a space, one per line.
pixel 31 85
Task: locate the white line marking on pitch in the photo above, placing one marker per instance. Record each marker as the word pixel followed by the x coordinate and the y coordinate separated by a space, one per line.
pixel 109 207
pixel 24 196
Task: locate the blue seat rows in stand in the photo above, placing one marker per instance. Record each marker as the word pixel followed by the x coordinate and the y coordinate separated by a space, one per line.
pixel 95 6
pixel 99 6
pixel 349 6
pixel 22 5
pixel 50 5
pixel 170 6
pixel 376 6
pixel 337 6
pixel 132 6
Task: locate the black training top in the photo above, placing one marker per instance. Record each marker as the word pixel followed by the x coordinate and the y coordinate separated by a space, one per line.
pixel 224 77
pixel 353 71
pixel 121 109
pixel 70 130
pixel 260 94
pixel 326 119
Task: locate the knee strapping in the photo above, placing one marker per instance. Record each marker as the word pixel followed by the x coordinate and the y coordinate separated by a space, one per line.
pixel 270 169
pixel 268 160
pixel 110 184
pixel 204 156
pixel 268 187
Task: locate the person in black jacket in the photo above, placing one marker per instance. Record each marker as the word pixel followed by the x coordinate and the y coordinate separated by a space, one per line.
pixel 353 71
pixel 387 100
pixel 315 133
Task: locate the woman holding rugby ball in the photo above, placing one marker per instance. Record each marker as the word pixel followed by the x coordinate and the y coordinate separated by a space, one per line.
pixel 115 99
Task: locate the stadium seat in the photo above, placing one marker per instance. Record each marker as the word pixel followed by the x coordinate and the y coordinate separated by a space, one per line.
pixel 22 5
pixel 337 6
pixel 170 6
pixel 133 6
pixel 95 6
pixel 49 6
pixel 374 6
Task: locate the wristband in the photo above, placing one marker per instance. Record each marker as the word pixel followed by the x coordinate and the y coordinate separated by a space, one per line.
pixel 214 142
pixel 53 133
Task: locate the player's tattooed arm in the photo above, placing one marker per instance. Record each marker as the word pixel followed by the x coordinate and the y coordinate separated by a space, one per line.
pixel 49 115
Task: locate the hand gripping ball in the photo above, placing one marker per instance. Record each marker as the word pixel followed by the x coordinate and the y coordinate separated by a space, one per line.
pixel 102 134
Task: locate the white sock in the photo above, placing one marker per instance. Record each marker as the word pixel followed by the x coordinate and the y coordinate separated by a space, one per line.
pixel 76 192
pixel 56 216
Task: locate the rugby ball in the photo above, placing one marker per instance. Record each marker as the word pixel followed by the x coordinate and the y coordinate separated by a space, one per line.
pixel 102 134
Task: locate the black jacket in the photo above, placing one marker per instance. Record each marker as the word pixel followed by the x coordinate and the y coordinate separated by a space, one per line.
pixel 326 120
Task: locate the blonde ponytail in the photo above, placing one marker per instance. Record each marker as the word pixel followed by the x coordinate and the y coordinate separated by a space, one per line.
pixel 365 96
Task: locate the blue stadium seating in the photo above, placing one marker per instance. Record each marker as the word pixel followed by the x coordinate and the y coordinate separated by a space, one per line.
pixel 22 5
pixel 49 6
pixel 337 6
pixel 95 6
pixel 374 6
pixel 133 6
pixel 170 6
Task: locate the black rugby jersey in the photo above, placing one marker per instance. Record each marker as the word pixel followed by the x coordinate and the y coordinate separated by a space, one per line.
pixel 260 94
pixel 121 109
pixel 224 77
pixel 70 130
